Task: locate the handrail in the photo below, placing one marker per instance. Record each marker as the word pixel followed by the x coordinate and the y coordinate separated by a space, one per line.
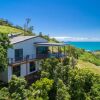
pixel 20 59
pixel 33 56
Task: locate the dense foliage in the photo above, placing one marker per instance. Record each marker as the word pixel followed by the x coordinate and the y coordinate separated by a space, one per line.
pixel 58 82
pixel 4 45
pixel 88 56
pixel 81 54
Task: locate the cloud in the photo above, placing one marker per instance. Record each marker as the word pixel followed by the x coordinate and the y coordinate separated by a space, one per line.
pixel 76 39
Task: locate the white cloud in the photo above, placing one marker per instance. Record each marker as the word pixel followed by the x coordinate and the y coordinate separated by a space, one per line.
pixel 76 39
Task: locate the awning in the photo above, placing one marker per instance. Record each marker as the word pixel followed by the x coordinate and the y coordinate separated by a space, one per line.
pixel 50 44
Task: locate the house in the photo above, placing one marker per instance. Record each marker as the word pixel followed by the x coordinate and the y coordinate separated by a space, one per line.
pixel 25 55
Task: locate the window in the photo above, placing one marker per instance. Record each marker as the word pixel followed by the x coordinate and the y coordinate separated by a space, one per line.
pixel 18 54
pixel 42 50
pixel 16 70
pixel 32 66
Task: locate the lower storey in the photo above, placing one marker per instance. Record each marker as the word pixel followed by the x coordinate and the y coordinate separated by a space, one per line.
pixel 26 70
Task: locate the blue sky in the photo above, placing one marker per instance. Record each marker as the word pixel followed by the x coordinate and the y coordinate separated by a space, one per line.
pixel 78 19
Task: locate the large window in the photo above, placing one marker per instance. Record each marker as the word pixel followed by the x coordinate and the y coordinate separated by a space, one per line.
pixel 16 70
pixel 18 54
pixel 42 50
pixel 32 66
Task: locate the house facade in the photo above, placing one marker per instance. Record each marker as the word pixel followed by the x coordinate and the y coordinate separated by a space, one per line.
pixel 25 56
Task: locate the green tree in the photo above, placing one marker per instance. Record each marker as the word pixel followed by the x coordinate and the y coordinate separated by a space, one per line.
pixel 62 91
pixel 49 66
pixel 4 94
pixel 80 84
pixel 4 45
pixel 40 89
pixel 17 88
pixel 4 41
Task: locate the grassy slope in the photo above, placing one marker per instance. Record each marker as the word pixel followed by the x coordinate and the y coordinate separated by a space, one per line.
pixel 84 64
pixel 7 29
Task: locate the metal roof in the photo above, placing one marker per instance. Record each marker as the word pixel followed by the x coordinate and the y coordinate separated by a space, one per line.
pixel 50 44
pixel 20 39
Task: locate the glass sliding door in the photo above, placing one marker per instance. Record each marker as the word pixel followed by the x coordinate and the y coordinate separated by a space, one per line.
pixel 42 51
pixel 18 54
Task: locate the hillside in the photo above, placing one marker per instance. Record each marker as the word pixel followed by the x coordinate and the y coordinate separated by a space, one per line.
pixel 87 65
pixel 9 29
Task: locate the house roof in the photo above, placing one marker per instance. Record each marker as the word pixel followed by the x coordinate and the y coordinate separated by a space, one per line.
pixel 18 39
pixel 50 44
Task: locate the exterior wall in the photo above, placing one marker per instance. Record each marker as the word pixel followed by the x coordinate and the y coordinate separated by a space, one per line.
pixel 28 49
pixel 27 46
pixel 9 73
pixel 24 70
pixel 4 76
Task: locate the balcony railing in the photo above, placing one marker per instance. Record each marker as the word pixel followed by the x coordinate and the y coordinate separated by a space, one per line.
pixel 21 59
pixel 37 56
pixel 55 55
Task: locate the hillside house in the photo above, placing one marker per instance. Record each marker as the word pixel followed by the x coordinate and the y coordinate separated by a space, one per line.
pixel 25 55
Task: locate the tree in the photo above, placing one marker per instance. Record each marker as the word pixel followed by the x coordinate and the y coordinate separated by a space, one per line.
pixel 28 28
pixel 3 59
pixel 53 69
pixel 4 41
pixel 61 72
pixel 4 45
pixel 40 89
pixel 4 94
pixel 17 88
pixel 80 84
pixel 49 66
pixel 95 89
pixel 62 91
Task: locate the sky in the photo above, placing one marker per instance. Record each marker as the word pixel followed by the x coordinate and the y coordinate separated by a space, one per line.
pixel 63 19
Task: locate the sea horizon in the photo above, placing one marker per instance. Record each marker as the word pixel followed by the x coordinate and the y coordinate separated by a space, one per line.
pixel 87 45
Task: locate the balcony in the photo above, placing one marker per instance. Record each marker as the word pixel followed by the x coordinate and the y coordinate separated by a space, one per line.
pixel 29 58
pixel 47 50
pixel 19 60
pixel 42 52
pixel 52 55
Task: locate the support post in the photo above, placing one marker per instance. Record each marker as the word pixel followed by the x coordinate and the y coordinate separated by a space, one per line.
pixel 52 49
pixel 58 51
pixel 64 50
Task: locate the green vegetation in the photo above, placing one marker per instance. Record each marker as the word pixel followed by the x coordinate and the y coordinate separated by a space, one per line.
pixel 86 56
pixel 65 83
pixel 17 90
pixel 75 77
pixel 97 54
pixel 9 29
pixel 87 65
pixel 4 45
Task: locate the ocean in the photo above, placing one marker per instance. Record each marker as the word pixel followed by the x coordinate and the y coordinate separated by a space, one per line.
pixel 91 46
